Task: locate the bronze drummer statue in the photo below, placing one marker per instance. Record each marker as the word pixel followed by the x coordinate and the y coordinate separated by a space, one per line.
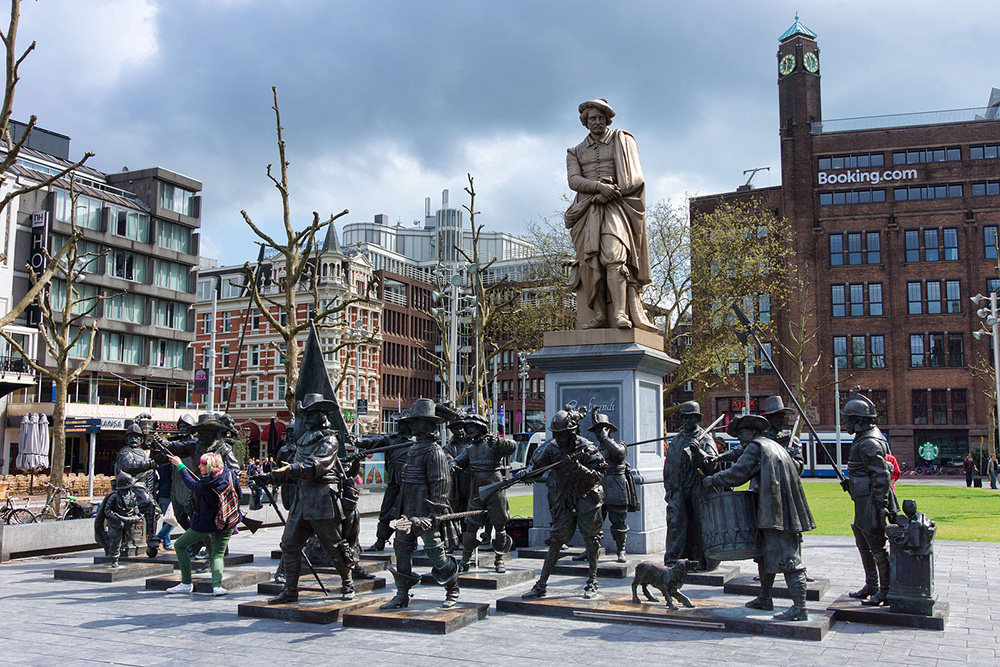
pixel 782 511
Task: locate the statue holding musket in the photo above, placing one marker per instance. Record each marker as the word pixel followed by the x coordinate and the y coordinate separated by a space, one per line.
pixel 482 460
pixel 685 456
pixel 620 495
pixel 318 507
pixel 782 511
pixel 424 494
pixel 395 459
pixel 874 502
pixel 574 492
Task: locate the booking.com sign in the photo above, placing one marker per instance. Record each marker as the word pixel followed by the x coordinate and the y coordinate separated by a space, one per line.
pixel 873 177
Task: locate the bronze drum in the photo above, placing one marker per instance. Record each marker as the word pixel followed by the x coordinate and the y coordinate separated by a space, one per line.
pixel 729 525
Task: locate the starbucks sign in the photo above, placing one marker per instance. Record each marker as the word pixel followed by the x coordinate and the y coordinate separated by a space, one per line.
pixel 928 451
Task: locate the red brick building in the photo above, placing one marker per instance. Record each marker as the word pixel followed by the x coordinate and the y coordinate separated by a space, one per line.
pixel 896 218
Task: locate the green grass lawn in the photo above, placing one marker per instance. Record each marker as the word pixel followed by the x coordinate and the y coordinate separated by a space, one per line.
pixel 968 515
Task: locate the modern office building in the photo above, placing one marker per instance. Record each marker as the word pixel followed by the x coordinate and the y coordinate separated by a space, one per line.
pixel 140 229
pixel 894 220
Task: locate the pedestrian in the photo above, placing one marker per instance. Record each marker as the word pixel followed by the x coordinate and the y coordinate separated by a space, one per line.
pixel 970 468
pixel 213 480
pixel 896 473
pixel 163 475
pixel 993 467
pixel 253 470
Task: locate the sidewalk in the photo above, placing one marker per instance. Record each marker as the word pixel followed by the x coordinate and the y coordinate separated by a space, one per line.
pixel 49 622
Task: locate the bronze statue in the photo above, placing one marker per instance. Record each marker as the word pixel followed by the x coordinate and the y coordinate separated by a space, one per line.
pixel 912 554
pixel 574 494
pixel 620 495
pixel 394 461
pixel 132 459
pixel 208 434
pixel 424 494
pixel 776 415
pixel 118 517
pixel 667 579
pixel 318 507
pixel 482 460
pixel 685 456
pixel 871 490
pixel 607 223
pixel 782 511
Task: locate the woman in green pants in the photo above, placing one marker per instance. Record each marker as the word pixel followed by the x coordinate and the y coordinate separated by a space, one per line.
pixel 213 479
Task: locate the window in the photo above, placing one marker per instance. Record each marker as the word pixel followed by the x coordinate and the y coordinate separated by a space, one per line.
pixel 935 357
pixel 986 189
pixel 959 406
pixel 933 297
pixel 992 285
pixel 851 161
pixel 938 244
pixel 914 297
pixel 207 326
pixel 255 319
pixel 990 241
pixel 81 347
pixel 127 265
pixel 983 151
pixel 917 192
pixel 170 314
pixel 939 406
pixel 122 348
pixel 839 299
pixel 836 249
pixel 858 357
pixel 859 351
pixel 857 295
pixel 956 349
pixel 931 250
pixel 854 248
pixel 943 296
pixel 128 224
pixel 280 387
pixel 873 243
pixel 205 290
pixel 912 245
pixel 875 299
pixel 950 244
pixel 916 350
pixel 764 308
pixel 840 351
pixel 168 353
pixel 924 155
pixel 227 321
pixel 171 275
pixel 176 199
pixel 856 299
pixel 878 351
pixel 126 308
pixel 851 197
pixel 252 394
pixel 172 236
pixel 919 403
pixel 254 355
pixel 85 299
pixel 88 210
pixel 953 297
pixel 231 287
pixel 224 355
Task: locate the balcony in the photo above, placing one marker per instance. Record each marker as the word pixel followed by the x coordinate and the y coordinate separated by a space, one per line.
pixel 906 120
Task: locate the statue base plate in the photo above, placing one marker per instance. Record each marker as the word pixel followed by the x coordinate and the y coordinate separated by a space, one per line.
pixel 488 580
pixel 308 584
pixel 426 616
pixel 605 570
pixel 308 609
pixel 846 608
pixel 231 580
pixel 369 566
pixel 484 559
pixel 170 558
pixel 747 586
pixel 717 577
pixel 707 615
pixel 577 337
pixel 387 556
pixel 567 552
pixel 105 574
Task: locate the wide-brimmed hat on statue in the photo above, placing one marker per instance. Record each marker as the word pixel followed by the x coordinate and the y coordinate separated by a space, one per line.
pixel 773 405
pixel 747 421
pixel 208 421
pixel 599 104
pixel 690 408
pixel 423 408
pixel 314 403
pixel 476 420
pixel 600 420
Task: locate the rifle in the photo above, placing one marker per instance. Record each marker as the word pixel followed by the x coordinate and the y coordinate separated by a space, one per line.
pixel 743 337
pixel 270 499
pixel 404 524
pixel 488 491
pixel 363 453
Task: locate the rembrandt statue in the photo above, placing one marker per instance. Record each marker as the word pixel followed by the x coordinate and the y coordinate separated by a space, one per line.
pixel 607 222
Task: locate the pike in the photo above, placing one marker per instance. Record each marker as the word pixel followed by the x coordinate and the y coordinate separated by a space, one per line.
pixel 362 453
pixel 667 437
pixel 743 337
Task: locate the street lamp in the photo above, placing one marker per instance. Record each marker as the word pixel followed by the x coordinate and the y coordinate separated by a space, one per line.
pixel 523 373
pixel 992 320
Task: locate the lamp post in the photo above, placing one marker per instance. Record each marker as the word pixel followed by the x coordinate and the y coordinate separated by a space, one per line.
pixel 357 334
pixel 993 321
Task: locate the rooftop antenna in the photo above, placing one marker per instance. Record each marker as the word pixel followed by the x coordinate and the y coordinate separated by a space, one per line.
pixel 753 172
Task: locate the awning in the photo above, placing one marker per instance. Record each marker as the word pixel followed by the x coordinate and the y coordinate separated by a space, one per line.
pixel 250 430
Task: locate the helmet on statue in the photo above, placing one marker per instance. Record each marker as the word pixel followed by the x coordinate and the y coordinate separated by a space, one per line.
pixel 859 406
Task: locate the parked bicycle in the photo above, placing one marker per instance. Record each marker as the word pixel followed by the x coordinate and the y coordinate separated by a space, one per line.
pixel 12 514
pixel 73 509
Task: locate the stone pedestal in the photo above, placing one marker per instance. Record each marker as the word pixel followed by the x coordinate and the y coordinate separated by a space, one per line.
pixel 621 372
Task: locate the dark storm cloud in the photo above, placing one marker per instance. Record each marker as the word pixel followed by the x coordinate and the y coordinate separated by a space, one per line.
pixel 384 103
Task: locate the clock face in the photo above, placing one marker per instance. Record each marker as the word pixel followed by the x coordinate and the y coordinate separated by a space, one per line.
pixel 811 62
pixel 787 64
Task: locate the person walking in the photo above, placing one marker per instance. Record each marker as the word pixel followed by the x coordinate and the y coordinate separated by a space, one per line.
pixel 970 468
pixel 163 474
pixel 993 467
pixel 213 480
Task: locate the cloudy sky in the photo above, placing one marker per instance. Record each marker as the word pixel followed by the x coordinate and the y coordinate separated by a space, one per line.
pixel 387 102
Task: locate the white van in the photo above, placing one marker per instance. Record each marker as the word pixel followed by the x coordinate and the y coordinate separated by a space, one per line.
pixel 527 445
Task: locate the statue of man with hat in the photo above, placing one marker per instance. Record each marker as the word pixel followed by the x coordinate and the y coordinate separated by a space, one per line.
pixel 775 413
pixel 869 484
pixel 317 508
pixel 620 495
pixel 117 517
pixel 685 456
pixel 208 434
pixel 574 493
pixel 426 485
pixel 134 461
pixel 395 459
pixel 782 511
pixel 607 223
pixel 483 460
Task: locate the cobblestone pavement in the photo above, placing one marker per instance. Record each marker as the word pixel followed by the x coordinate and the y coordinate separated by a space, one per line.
pixel 50 622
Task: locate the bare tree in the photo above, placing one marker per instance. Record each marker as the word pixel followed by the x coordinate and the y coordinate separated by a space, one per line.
pixel 13 149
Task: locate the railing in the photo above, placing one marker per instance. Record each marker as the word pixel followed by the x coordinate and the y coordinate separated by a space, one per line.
pixel 905 120
pixel 12 364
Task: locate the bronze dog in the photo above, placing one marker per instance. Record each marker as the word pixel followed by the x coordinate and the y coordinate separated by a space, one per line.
pixel 667 579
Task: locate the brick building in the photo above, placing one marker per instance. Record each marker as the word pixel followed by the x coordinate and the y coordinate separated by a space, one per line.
pixel 894 219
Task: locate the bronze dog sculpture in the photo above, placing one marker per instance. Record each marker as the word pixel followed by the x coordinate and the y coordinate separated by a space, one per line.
pixel 667 579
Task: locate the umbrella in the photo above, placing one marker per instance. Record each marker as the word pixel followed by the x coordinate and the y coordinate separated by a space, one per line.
pixel 272 439
pixel 33 445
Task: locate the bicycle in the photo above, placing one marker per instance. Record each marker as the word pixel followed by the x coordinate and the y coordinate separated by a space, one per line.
pixel 11 513
pixel 74 510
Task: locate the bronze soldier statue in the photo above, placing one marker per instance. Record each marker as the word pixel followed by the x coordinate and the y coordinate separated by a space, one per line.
pixel 208 434
pixel 394 461
pixel 574 494
pixel 483 459
pixel 424 493
pixel 620 495
pixel 318 505
pixel 684 458
pixel 776 415
pixel 871 490
pixel 133 460
pixel 117 517
pixel 782 511
pixel 456 445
